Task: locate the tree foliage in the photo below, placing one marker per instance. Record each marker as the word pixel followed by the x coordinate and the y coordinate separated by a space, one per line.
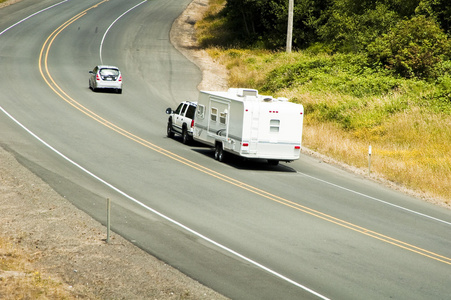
pixel 413 48
pixel 409 37
pixel 265 21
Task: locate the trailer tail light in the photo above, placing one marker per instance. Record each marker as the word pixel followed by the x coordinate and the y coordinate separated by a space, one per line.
pixel 245 144
pixel 297 147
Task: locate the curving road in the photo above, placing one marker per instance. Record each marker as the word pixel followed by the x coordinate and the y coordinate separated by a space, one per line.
pixel 304 230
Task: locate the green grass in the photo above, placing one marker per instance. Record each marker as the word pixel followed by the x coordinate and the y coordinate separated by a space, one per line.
pixel 350 105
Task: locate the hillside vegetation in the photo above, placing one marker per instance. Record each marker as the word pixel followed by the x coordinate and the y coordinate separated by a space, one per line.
pixel 367 74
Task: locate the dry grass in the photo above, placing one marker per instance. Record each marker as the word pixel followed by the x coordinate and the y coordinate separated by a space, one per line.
pixel 19 280
pixel 412 151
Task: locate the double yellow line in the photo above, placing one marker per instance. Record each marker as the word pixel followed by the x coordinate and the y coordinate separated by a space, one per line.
pixel 43 68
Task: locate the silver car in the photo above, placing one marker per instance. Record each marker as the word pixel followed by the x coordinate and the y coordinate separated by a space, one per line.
pixel 105 77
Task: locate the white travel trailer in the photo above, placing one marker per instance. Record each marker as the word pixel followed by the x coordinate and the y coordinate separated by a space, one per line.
pixel 253 126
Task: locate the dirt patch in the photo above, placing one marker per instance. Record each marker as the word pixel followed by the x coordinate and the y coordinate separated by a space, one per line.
pixel 183 37
pixel 8 2
pixel 62 244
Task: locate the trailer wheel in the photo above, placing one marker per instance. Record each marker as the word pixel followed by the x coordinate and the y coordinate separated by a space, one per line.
pixel 169 131
pixel 273 162
pixel 219 152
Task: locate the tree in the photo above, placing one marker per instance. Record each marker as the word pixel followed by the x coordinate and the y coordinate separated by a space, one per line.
pixel 266 20
pixel 414 48
pixel 440 10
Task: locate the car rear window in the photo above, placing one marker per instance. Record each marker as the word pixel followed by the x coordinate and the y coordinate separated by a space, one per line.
pixel 109 72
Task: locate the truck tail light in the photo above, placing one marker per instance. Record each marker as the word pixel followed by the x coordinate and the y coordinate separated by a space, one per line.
pixel 192 123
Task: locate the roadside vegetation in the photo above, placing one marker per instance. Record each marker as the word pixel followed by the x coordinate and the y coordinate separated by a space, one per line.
pixel 367 73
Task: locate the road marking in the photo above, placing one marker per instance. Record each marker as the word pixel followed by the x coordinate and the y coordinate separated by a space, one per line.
pixel 377 199
pixel 111 25
pixel 63 95
pixel 32 15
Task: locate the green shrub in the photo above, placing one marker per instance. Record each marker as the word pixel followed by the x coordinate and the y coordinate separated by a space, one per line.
pixel 346 74
pixel 414 48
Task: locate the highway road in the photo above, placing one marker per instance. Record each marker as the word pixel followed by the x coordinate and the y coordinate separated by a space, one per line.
pixel 303 230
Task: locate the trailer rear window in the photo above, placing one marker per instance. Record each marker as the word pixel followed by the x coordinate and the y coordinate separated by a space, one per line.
pixel 223 117
pixel 274 125
pixel 214 114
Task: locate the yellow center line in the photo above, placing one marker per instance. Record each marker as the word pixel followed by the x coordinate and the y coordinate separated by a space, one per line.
pixel 45 73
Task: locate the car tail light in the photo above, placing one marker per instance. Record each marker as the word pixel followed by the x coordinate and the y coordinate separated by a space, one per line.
pixel 120 78
pixel 97 77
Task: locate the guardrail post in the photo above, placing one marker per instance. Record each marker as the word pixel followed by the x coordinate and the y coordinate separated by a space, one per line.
pixel 369 160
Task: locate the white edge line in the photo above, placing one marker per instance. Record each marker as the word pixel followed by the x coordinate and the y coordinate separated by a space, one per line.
pixel 106 32
pixel 378 200
pixel 30 16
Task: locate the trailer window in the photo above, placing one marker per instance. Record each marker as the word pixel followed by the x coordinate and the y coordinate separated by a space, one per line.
pixel 223 117
pixel 200 111
pixel 214 114
pixel 274 125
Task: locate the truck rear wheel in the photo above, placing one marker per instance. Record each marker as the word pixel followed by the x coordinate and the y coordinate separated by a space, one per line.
pixel 219 152
pixel 185 137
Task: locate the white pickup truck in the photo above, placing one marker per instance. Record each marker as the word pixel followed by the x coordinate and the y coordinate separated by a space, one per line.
pixel 181 121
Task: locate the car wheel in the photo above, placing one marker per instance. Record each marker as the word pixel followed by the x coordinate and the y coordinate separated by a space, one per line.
pixel 185 137
pixel 169 131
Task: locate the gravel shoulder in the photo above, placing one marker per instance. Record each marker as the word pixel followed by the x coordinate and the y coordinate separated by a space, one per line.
pixel 58 242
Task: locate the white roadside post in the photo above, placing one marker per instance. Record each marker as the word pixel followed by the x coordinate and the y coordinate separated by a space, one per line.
pixel 369 160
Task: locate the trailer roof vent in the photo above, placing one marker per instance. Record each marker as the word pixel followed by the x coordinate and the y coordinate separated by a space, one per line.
pixel 253 93
pixel 244 92
pixel 267 99
pixel 282 99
